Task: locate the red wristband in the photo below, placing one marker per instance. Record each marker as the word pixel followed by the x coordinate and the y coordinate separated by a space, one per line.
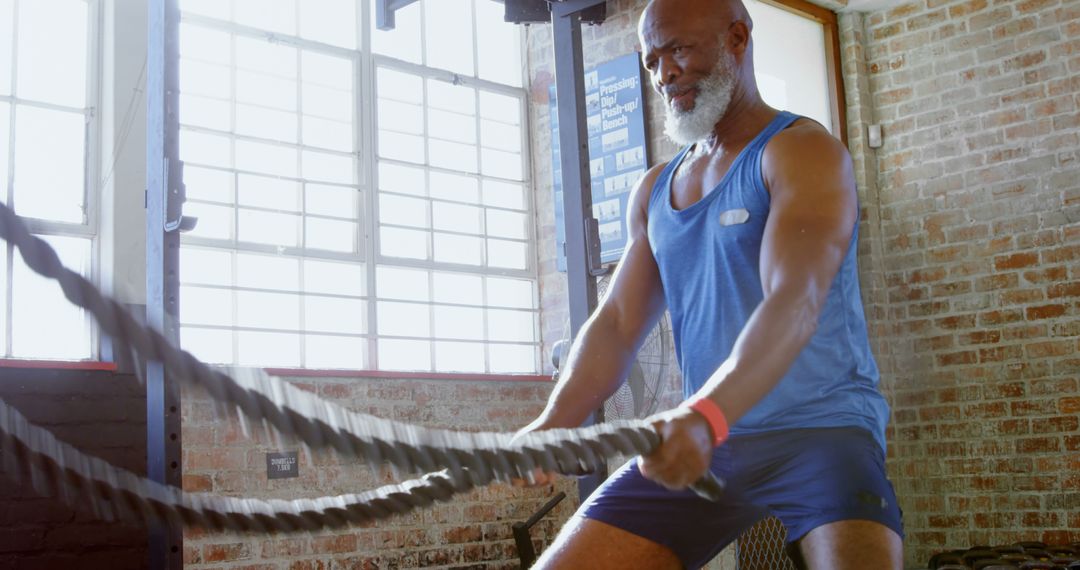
pixel 714 415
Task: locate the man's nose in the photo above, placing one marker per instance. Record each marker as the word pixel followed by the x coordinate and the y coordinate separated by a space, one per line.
pixel 666 72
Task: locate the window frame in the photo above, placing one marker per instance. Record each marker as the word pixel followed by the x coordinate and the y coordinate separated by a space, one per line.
pixel 365 63
pixel 92 171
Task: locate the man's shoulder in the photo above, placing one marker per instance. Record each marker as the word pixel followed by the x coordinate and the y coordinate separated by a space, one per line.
pixel 803 139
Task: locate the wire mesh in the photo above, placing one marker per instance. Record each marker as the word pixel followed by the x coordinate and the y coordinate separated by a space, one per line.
pixel 761 547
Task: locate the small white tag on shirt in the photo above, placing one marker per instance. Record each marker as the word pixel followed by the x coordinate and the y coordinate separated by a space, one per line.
pixel 733 217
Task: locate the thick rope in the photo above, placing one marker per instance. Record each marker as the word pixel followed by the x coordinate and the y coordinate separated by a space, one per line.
pixel 469 459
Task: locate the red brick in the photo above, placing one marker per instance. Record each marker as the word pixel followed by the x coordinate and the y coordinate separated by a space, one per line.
pixel 1058 290
pixel 1016 261
pixel 333 544
pixel 1045 312
pixel 226 552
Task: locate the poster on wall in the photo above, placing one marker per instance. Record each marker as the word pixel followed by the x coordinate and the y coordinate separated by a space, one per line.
pixel 617 159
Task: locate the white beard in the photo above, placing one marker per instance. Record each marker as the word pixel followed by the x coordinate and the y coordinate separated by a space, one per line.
pixel 710 103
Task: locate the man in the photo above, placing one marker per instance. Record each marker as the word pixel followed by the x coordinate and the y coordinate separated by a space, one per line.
pixel 748 237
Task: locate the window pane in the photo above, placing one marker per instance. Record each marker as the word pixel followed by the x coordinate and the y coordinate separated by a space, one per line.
pixel 268 228
pixel 451 248
pixel 403 284
pixel 459 357
pixel 266 90
pixel 402 211
pixel 213 8
pixel 270 15
pixel 327 102
pixel 205 306
pixel 321 351
pixel 206 149
pixel 52 52
pixel 265 192
pixel 502 108
pixel 209 345
pixel 207 266
pixel 334 278
pixel 400 86
pixel 214 221
pixel 329 21
pixel 397 146
pixel 340 201
pixel 269 349
pixel 328 167
pixel 404 354
pixel 7 22
pixel 450 97
pixel 401 117
pixel 330 235
pixel 452 126
pixel 44 323
pixel 516 293
pixel 503 195
pixel 327 70
pixel 403 42
pixel 510 358
pixel 498 45
pixel 208 184
pixel 501 223
pixel 458 288
pixel 459 322
pixel 49 176
pixel 449 35
pixel 401 179
pixel 397 242
pixel 267 310
pixel 267 272
pixel 508 254
pixel 208 79
pixel 514 326
pixel 500 136
pixel 204 44
pixel 403 319
pixel 264 123
pixel 455 217
pixel 266 158
pixel 334 314
pixel 501 164
pixel 206 112
pixel 334 135
pixel 454 187
pixel 453 155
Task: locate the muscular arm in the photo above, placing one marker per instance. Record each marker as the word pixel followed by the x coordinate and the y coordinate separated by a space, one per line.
pixel 604 349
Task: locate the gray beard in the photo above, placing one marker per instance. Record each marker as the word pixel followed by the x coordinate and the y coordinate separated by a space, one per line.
pixel 712 101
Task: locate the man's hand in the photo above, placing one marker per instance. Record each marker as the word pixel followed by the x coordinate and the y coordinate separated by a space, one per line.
pixel 539 478
pixel 685 449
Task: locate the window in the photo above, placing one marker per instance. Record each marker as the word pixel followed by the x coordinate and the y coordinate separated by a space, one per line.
pixel 796 58
pixel 316 250
pixel 47 55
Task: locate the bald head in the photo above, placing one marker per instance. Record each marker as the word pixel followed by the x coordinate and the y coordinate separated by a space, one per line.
pixel 710 13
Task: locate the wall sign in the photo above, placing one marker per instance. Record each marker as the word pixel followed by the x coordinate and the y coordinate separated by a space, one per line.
pixel 617 159
pixel 282 465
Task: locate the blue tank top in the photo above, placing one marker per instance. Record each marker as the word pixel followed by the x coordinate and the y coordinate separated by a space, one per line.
pixel 708 257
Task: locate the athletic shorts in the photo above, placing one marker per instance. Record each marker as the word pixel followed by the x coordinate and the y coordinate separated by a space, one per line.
pixel 806 478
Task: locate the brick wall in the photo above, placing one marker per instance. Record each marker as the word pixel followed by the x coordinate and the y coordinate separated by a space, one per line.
pixel 976 198
pixel 470 531
pixel 969 250
pixel 102 414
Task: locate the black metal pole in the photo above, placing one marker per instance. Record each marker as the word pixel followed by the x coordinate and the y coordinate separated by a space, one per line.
pixel 576 182
pixel 164 196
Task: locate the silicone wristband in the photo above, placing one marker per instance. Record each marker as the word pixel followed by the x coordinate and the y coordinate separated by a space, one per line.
pixel 714 415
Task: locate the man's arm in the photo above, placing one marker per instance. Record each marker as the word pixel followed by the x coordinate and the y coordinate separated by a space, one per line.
pixel 812 216
pixel 602 353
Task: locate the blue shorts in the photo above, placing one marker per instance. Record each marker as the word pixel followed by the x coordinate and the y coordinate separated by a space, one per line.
pixel 806 478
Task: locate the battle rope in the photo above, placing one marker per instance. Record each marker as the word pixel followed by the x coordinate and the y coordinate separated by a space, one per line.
pixel 470 459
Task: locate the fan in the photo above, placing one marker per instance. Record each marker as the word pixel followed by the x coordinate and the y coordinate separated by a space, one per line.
pixel 650 382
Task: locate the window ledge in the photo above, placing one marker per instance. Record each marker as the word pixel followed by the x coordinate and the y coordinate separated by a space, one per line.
pixel 396 375
pixel 58 364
